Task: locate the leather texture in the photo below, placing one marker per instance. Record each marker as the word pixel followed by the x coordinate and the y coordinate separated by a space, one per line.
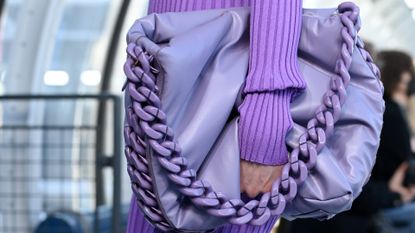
pixel 185 72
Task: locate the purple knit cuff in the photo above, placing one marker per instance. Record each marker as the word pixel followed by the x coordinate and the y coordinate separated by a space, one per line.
pixel 265 120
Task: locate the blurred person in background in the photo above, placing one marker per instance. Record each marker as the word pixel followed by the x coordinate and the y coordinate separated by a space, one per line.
pixel 391 190
pixel 411 112
pixel 386 202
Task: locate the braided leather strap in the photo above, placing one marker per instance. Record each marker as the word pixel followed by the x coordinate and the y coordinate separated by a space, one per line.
pixel 145 128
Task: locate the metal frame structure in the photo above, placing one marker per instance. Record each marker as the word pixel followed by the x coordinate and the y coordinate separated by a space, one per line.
pixel 101 161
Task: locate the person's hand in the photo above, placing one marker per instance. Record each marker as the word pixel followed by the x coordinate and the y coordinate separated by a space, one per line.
pixel 257 178
pixel 396 184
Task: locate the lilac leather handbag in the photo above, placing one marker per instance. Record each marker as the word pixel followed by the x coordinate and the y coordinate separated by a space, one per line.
pixel 185 72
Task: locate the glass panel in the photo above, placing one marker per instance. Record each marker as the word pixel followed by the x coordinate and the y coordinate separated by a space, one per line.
pixel 137 9
pixel 58 136
pixel 8 29
pixel 80 46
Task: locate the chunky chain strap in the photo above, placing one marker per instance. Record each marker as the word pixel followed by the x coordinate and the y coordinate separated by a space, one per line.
pixel 366 56
pixel 145 128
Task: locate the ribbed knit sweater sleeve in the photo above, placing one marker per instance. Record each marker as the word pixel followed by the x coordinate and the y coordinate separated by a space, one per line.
pixel 273 79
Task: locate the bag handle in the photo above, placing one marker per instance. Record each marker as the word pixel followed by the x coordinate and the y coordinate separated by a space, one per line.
pixel 145 128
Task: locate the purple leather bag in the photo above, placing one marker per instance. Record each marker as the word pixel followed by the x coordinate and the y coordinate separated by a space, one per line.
pixel 185 72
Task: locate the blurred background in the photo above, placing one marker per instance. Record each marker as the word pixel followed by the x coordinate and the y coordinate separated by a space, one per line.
pixel 62 167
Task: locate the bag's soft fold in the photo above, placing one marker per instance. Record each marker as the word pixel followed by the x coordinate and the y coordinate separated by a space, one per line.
pixel 203 59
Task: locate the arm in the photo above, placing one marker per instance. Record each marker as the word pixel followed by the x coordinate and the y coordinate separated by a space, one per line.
pixel 273 80
pixel 272 83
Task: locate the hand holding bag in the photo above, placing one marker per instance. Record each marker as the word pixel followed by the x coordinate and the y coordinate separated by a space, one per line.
pixel 185 72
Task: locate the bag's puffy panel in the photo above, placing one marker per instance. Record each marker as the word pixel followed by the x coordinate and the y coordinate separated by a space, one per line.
pixel 204 61
pixel 202 70
pixel 344 164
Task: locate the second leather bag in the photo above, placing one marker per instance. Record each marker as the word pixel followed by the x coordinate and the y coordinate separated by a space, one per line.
pixel 185 72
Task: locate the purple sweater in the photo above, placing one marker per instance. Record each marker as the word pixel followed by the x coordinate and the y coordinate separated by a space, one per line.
pixel 273 78
pixel 273 81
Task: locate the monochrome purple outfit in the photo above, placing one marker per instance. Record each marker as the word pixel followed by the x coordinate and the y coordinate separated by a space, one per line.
pixel 272 82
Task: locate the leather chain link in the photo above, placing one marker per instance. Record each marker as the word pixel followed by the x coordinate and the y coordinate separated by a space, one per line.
pixel 145 128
